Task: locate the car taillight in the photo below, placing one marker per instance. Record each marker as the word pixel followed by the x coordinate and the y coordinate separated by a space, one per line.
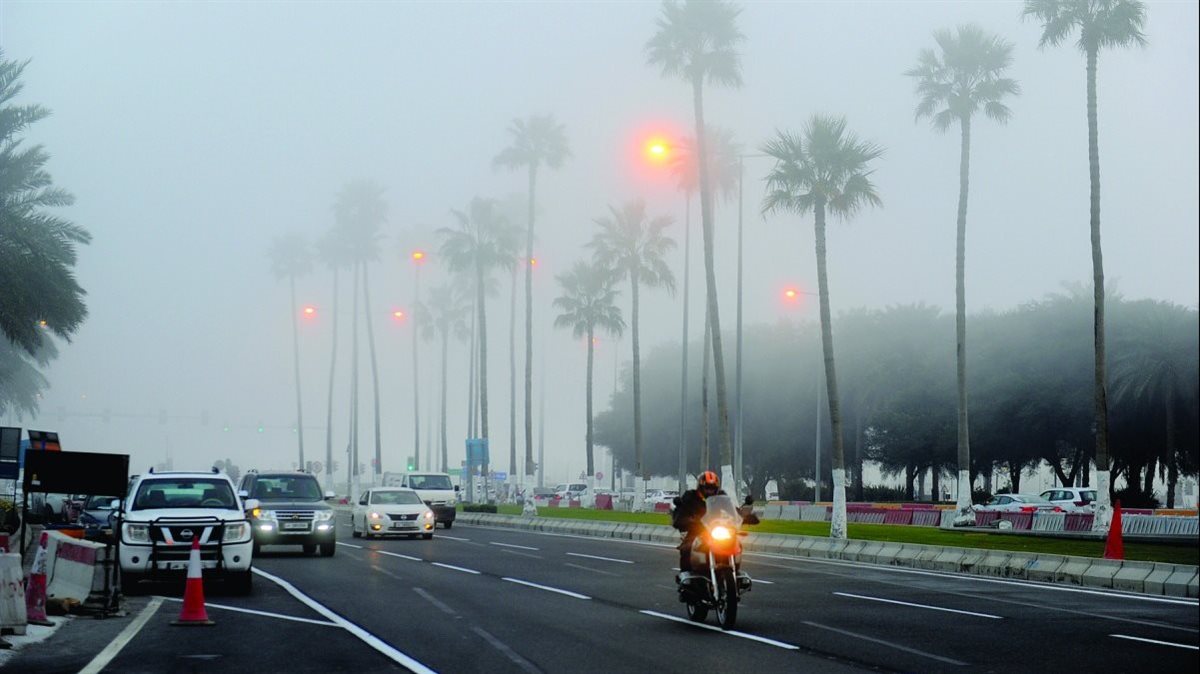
pixel 1057 509
pixel 1028 509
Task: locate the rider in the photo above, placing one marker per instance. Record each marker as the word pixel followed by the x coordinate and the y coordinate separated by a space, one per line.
pixel 689 509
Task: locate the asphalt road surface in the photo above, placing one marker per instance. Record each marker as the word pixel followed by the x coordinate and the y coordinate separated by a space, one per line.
pixel 478 599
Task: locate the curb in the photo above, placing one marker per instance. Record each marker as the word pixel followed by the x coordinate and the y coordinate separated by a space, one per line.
pixel 1154 578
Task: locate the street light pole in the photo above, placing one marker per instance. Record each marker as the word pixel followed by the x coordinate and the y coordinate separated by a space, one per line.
pixel 737 403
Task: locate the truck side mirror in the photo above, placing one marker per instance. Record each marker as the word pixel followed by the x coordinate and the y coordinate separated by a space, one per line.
pixel 456 488
pixel 115 504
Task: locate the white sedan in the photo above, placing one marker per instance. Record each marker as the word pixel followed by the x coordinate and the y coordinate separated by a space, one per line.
pixel 391 511
pixel 1017 503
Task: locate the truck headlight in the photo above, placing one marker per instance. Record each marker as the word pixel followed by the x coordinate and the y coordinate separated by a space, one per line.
pixel 324 515
pixel 375 516
pixel 137 533
pixel 428 514
pixel 235 532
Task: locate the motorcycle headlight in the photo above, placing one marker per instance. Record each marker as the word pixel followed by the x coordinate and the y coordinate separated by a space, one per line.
pixel 721 534
pixel 235 532
pixel 324 515
pixel 137 533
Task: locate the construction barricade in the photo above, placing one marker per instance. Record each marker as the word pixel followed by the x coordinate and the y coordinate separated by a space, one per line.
pixel 12 594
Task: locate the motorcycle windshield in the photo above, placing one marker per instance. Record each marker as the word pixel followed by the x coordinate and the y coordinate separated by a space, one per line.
pixel 721 507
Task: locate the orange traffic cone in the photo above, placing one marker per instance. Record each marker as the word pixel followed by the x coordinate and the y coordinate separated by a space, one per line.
pixel 35 587
pixel 193 613
pixel 1115 547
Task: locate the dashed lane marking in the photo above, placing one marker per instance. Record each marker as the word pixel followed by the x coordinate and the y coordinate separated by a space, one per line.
pixel 732 633
pixel 546 588
pixel 1156 641
pixel 603 559
pixel 881 642
pixel 456 568
pixel 925 606
pixel 511 545
pixel 508 652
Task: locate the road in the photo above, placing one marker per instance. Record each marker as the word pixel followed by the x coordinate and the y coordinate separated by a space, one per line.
pixel 479 599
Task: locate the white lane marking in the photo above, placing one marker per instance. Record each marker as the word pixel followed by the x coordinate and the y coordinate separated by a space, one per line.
pixel 1156 641
pixel 350 545
pixel 510 545
pixel 370 639
pixel 114 647
pixel 436 602
pixel 456 568
pixel 397 554
pixel 453 538
pixel 546 588
pixel 508 652
pixel 906 603
pixel 1029 584
pixel 603 559
pixel 268 614
pixel 523 554
pixel 732 633
pixel 588 568
pixel 889 644
pixel 760 580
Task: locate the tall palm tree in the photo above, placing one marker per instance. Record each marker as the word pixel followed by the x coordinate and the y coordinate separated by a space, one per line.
pixel 965 76
pixel 825 170
pixel 290 258
pixel 413 243
pixel 724 165
pixel 39 294
pixel 361 211
pixel 1101 23
pixel 332 251
pixel 444 314
pixel 634 247
pixel 536 141
pixel 697 41
pixel 588 302
pixel 481 242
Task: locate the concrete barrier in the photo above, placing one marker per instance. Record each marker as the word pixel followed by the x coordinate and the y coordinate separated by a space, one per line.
pixel 1181 582
pixel 1132 576
pixel 12 594
pixel 1045 567
pixel 773 512
pixel 75 570
pixel 1101 572
pixel 1072 570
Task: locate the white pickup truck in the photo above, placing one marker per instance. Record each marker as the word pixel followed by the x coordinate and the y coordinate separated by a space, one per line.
pixel 435 489
pixel 165 512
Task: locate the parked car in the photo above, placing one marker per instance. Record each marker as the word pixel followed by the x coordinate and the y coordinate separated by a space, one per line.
pixel 389 511
pixel 1072 499
pixel 570 490
pixel 661 496
pixel 1017 503
pixel 97 516
pixel 292 511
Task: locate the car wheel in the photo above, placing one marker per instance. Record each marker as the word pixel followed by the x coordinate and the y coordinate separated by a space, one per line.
pixel 310 548
pixel 327 549
pixel 447 525
pixel 427 536
pixel 129 583
pixel 240 583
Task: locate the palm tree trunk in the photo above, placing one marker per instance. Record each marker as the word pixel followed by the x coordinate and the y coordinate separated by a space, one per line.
pixel 683 377
pixel 965 515
pixel 637 396
pixel 472 397
pixel 483 388
pixel 591 469
pixel 296 368
pixel 329 406
pixel 355 480
pixel 706 218
pixel 512 379
pixel 445 349
pixel 858 457
pixel 1170 455
pixel 529 324
pixel 837 526
pixel 416 339
pixel 1103 498
pixel 705 424
pixel 377 468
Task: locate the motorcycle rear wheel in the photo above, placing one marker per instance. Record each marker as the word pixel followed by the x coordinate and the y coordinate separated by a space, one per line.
pixel 727 599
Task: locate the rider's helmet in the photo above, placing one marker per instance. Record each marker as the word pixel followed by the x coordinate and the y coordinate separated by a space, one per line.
pixel 708 483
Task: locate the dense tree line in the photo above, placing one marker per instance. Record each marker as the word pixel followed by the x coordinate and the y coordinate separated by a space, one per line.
pixel 1031 396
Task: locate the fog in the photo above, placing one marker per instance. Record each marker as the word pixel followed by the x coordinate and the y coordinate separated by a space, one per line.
pixel 194 134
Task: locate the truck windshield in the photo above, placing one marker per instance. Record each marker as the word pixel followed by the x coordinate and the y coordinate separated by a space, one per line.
pixel 200 493
pixel 429 482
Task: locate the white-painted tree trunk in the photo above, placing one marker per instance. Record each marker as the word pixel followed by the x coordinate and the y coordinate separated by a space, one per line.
pixel 588 500
pixel 1103 503
pixel 729 484
pixel 639 494
pixel 964 514
pixel 837 524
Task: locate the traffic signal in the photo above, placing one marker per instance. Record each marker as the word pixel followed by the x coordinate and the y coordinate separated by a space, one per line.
pixel 411 463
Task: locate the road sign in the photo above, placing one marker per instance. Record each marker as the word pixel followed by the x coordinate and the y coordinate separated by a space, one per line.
pixel 599 475
pixel 477 451
pixel 499 475
pixel 317 466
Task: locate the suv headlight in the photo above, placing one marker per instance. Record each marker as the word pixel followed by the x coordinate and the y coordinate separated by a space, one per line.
pixel 428 514
pixel 324 515
pixel 235 531
pixel 137 533
pixel 263 514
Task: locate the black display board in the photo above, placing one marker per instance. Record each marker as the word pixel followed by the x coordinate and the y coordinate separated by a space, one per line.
pixel 10 443
pixel 76 473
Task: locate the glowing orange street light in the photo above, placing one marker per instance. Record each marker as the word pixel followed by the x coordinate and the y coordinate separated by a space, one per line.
pixel 657 150
pixel 398 315
pixel 533 262
pixel 310 311
pixel 418 256
pixel 791 294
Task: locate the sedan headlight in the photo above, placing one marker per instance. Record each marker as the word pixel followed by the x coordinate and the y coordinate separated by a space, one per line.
pixel 137 533
pixel 235 532
pixel 324 515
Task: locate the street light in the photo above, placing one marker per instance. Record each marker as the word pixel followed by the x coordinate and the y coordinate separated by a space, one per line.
pixel 792 295
pixel 309 311
pixel 418 258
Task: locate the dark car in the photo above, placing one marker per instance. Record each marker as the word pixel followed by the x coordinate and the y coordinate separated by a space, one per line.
pixel 97 517
pixel 292 511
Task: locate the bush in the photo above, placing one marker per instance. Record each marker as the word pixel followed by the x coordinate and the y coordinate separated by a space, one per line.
pixel 479 508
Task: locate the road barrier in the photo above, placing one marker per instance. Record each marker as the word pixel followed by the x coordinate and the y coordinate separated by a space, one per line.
pixel 12 594
pixel 72 570
pixel 4 543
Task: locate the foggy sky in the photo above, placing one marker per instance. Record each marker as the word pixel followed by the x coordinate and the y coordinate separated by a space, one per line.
pixel 192 134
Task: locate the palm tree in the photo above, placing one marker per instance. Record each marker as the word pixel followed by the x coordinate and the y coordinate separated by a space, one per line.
pixel 361 212
pixel 291 257
pixel 823 170
pixel 413 242
pixel 444 314
pixel 23 382
pixel 332 251
pixel 480 242
pixel 39 294
pixel 724 168
pixel 536 140
pixel 588 302
pixel 697 41
pixel 964 77
pixel 632 246
pixel 1101 23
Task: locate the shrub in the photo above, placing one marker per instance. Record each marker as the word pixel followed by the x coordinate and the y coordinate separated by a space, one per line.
pixel 479 508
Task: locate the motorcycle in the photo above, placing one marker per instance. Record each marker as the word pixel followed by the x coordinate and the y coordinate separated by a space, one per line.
pixel 718 581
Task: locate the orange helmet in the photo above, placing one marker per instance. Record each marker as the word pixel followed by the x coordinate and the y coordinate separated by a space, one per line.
pixel 708 481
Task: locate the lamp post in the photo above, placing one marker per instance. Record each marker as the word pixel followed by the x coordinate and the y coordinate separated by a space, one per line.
pixel 418 258
pixel 792 295
pixel 737 400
